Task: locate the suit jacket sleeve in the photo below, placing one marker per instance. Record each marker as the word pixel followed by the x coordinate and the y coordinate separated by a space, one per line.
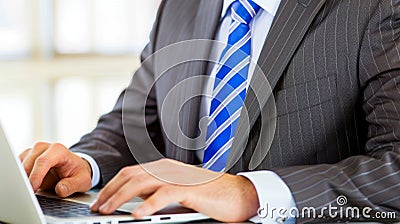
pixel 370 180
pixel 106 144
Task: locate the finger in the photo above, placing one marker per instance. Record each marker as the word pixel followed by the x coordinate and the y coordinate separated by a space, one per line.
pixel 144 196
pixel 51 158
pixel 131 189
pixel 50 180
pixel 37 150
pixel 24 154
pixel 115 184
pixel 159 200
pixel 70 185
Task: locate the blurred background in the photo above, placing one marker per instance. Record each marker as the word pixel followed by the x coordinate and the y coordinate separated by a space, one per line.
pixel 63 63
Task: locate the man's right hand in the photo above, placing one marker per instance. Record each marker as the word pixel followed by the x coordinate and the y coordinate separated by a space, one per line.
pixel 53 166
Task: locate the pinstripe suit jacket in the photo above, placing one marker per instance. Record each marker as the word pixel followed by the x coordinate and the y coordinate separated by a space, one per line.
pixel 334 67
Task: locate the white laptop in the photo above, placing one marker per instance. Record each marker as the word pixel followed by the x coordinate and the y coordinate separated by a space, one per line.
pixel 19 204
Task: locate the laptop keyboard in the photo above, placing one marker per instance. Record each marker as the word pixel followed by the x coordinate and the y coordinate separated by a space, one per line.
pixel 67 209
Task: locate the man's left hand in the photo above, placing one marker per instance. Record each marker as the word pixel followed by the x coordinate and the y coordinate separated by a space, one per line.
pixel 224 197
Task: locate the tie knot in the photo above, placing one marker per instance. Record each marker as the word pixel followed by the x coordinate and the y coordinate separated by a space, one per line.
pixel 243 11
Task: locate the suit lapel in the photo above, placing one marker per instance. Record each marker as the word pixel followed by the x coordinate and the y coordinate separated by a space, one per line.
pixel 203 26
pixel 208 16
pixel 291 23
pixel 290 26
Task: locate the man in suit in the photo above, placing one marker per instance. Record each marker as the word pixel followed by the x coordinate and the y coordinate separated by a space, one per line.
pixel 334 69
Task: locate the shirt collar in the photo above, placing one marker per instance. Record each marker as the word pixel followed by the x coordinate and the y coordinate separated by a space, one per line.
pixel 271 6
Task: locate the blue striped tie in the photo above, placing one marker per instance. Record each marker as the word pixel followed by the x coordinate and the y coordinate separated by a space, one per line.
pixel 229 87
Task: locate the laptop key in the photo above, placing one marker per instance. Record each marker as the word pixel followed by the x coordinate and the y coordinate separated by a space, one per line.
pixel 67 209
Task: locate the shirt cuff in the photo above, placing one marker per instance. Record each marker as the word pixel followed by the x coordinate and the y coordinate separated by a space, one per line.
pixel 275 198
pixel 94 166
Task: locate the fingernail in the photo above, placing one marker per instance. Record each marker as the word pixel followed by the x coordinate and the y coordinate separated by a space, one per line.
pixel 62 190
pixel 141 211
pixel 93 206
pixel 34 186
pixel 104 208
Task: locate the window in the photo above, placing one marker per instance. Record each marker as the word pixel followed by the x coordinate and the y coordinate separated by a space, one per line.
pixel 14 29
pixel 82 101
pixel 15 121
pixel 102 26
pixel 70 60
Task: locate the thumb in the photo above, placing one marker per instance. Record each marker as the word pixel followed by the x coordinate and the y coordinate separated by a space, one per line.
pixel 70 185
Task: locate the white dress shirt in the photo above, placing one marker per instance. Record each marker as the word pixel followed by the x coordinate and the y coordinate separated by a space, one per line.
pixel 271 189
